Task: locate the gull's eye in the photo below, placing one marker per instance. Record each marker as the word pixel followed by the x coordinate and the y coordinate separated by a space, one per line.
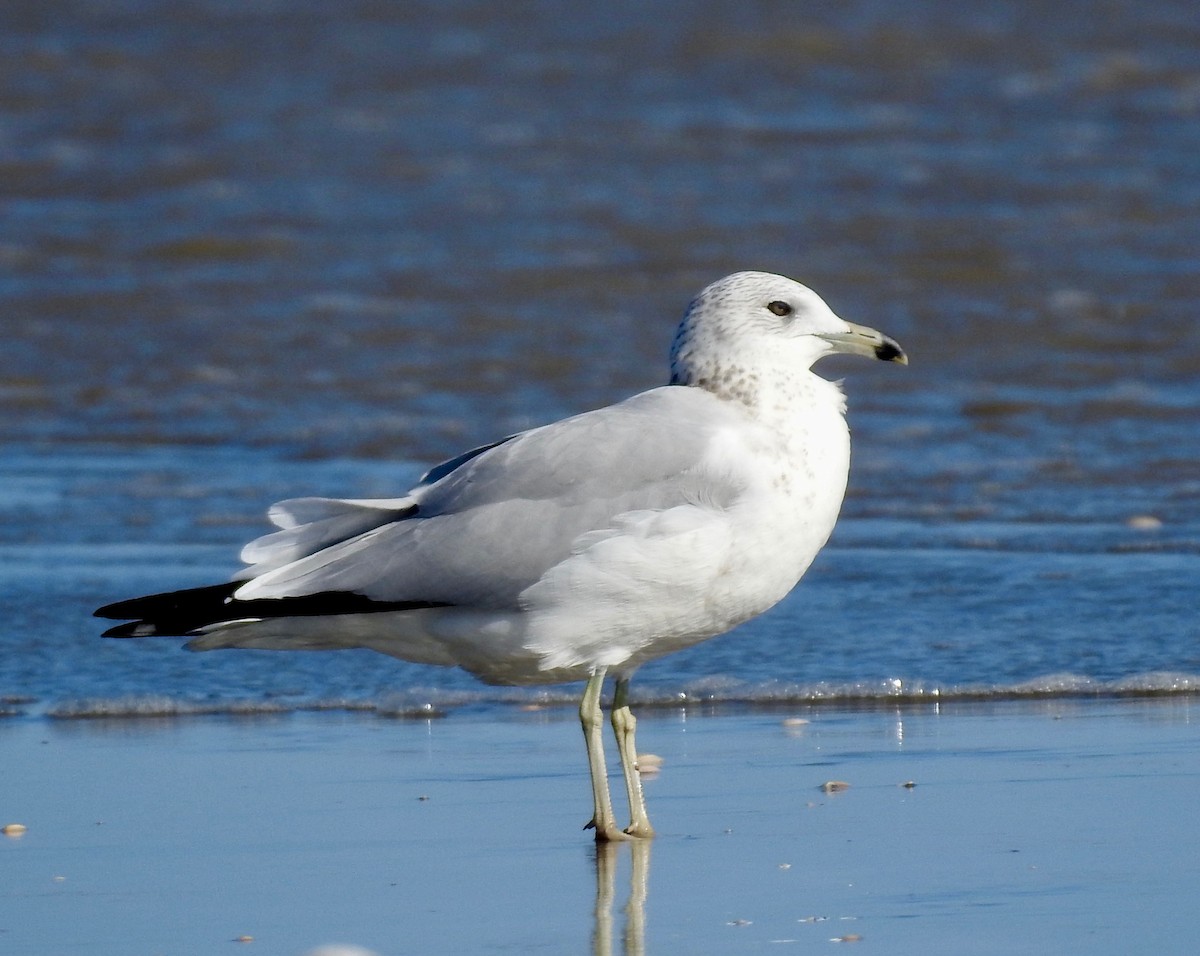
pixel 779 307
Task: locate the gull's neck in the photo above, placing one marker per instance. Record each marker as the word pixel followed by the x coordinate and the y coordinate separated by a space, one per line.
pixel 773 387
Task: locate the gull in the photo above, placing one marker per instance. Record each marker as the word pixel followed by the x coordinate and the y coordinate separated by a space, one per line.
pixel 580 549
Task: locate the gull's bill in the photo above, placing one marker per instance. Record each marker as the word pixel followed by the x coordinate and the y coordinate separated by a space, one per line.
pixel 861 340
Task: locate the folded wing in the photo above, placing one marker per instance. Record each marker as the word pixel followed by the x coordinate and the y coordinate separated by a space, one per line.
pixel 453 539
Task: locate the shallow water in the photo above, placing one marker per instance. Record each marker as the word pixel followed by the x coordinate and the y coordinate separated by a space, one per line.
pixel 253 252
pixel 1049 826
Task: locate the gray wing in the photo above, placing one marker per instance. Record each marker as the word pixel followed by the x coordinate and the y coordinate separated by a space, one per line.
pixel 309 525
pixel 485 526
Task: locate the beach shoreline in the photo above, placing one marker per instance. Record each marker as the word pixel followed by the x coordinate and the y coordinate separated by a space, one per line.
pixel 1062 825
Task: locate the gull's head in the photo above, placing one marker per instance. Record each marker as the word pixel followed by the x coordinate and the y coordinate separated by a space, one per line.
pixel 749 321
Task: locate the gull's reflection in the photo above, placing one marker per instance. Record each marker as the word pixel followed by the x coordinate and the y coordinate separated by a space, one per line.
pixel 608 855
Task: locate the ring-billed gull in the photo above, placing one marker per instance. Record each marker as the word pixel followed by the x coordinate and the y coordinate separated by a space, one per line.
pixel 581 548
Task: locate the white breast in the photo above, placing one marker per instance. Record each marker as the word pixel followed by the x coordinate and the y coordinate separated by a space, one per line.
pixel 657 581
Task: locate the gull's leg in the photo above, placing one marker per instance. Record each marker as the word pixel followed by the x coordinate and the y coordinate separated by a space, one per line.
pixel 592 719
pixel 624 724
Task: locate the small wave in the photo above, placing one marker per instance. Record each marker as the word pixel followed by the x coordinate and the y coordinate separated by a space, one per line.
pixel 427 704
pixel 159 707
pixel 900 691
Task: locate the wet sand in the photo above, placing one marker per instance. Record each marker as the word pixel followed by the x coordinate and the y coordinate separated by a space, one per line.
pixel 1053 826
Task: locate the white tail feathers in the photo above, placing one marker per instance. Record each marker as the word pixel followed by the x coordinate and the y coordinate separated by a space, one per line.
pixel 309 525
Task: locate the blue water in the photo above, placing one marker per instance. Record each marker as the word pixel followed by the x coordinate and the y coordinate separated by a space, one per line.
pixel 248 253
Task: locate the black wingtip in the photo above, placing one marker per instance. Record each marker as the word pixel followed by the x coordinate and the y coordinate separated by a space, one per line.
pixel 115 611
pixel 172 614
pixel 181 613
pixel 130 629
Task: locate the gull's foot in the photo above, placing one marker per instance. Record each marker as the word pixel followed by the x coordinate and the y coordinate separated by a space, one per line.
pixel 606 833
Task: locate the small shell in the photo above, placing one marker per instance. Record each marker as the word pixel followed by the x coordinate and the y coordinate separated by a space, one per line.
pixel 13 829
pixel 649 763
pixel 834 786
